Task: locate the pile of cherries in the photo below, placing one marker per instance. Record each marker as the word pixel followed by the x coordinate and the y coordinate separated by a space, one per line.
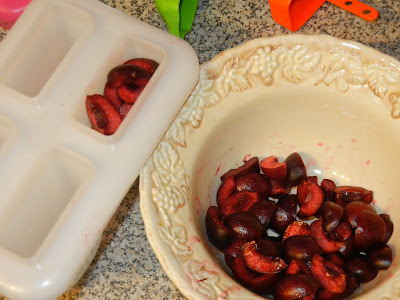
pixel 124 85
pixel 260 225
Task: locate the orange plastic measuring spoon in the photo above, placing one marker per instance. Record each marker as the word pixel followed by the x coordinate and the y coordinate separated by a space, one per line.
pixel 292 14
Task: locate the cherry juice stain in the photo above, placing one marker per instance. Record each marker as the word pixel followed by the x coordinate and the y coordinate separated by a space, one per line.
pixel 224 294
pixel 219 168
pixel 194 240
pixel 247 157
pixel 201 169
pixel 85 239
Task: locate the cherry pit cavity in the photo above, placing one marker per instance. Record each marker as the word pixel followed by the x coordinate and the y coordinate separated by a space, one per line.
pixel 320 242
pixel 124 85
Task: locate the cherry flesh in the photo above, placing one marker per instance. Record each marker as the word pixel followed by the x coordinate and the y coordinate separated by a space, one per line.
pixel 261 263
pixel 273 169
pixel 103 115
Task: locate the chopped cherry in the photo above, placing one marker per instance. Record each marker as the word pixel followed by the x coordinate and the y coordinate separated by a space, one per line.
pixel 353 193
pixel 129 93
pixel 328 185
pixel 359 267
pixel 380 257
pixel 389 227
pixel 313 179
pixel 250 166
pixel 353 210
pixel 263 210
pixel 258 282
pixel 285 213
pixel 218 234
pixel 273 169
pixel 235 248
pixel 261 263
pixel 300 247
pixel 336 259
pixel 124 109
pixel 331 215
pixel 324 294
pixel 226 189
pixel 254 182
pixel 329 275
pixel 297 228
pixel 317 232
pixel 311 197
pixel 278 189
pixel 293 287
pixel 102 114
pixel 298 266
pixel 149 65
pixel 244 225
pixel 296 171
pixel 344 238
pixel 112 95
pixel 370 230
pixel 240 201
pixel 125 74
pixel 268 247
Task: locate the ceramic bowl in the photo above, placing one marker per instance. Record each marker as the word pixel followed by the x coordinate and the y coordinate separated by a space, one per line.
pixel 335 102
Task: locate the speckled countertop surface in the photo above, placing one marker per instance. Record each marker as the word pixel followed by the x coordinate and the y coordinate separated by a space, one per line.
pixel 125 266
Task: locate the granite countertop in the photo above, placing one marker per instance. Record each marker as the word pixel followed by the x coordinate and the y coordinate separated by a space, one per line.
pixel 125 266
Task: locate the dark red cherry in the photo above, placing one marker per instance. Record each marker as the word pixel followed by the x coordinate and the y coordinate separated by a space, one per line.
pixel 250 166
pixel 296 171
pixel 218 234
pixel 103 115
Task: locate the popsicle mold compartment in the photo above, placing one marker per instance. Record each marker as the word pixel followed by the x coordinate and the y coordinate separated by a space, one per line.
pixel 61 180
pixel 43 47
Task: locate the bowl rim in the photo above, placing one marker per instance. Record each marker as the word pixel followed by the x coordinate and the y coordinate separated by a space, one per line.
pixel 156 213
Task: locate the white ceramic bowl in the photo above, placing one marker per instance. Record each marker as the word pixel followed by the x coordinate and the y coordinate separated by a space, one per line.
pixel 335 102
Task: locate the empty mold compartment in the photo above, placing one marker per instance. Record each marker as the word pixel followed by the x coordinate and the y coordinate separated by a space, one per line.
pixel 129 47
pixel 46 192
pixel 43 47
pixel 7 131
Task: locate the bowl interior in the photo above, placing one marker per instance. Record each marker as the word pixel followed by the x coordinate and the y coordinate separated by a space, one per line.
pixel 340 136
pixel 336 103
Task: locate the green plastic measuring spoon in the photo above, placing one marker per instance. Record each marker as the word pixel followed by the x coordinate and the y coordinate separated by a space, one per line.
pixel 178 14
